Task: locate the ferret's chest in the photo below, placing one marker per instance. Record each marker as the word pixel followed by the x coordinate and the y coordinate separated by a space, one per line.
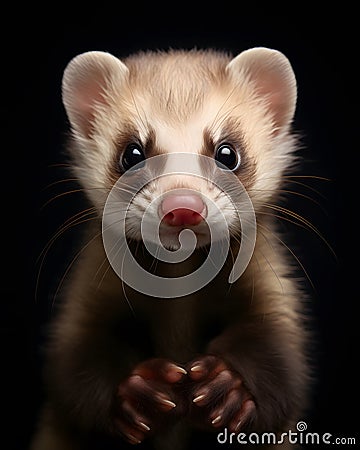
pixel 181 328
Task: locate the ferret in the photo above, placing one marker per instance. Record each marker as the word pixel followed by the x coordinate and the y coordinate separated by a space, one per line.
pixel 125 367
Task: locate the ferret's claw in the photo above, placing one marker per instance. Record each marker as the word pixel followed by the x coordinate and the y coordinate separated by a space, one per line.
pixel 199 398
pixel 143 426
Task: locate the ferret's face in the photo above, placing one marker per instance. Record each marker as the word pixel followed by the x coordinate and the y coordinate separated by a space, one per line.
pixel 181 126
pixel 170 192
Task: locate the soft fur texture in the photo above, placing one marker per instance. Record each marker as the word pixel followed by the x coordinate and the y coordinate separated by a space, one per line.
pixel 177 101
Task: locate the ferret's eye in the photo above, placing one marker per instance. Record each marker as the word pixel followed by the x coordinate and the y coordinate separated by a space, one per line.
pixel 227 156
pixel 133 155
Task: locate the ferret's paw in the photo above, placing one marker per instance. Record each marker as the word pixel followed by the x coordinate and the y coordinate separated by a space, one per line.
pixel 219 396
pixel 146 400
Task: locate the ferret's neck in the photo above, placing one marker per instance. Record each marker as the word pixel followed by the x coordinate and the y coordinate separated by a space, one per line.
pixel 167 269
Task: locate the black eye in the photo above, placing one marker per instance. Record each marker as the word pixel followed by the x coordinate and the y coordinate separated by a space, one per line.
pixel 133 155
pixel 227 156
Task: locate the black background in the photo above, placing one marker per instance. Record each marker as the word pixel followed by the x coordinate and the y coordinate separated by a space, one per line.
pixel 35 50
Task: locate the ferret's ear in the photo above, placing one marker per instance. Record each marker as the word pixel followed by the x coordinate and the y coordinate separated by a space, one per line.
pixel 273 79
pixel 89 81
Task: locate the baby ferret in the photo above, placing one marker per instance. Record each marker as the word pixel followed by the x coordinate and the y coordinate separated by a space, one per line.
pixel 124 367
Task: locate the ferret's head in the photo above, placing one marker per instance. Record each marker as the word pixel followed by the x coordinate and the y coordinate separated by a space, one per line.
pixel 234 113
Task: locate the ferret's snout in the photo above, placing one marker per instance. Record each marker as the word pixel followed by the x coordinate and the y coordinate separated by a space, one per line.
pixel 182 209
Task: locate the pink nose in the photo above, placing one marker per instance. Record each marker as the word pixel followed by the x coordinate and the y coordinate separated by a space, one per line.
pixel 183 209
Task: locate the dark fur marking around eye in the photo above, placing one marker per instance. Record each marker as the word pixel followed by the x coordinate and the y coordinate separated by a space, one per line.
pixel 127 136
pixel 231 133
